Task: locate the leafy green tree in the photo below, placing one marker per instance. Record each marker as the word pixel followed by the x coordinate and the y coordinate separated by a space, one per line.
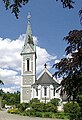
pixel 70 68
pixel 73 110
pixel 15 5
pixel 80 15
pixel 4 102
pixel 1 82
pixel 1 92
pixel 17 97
pixel 79 100
pixel 11 98
pixel 67 3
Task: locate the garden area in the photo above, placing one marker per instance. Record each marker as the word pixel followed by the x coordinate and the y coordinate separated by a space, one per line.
pixel 35 108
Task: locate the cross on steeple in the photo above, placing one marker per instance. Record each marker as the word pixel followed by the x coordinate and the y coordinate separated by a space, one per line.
pixel 45 65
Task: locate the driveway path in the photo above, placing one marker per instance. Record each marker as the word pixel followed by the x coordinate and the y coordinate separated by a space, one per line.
pixel 6 116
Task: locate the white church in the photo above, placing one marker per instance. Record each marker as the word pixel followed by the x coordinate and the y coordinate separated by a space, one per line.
pixel 44 87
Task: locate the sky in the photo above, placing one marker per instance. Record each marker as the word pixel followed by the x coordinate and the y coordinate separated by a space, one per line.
pixel 50 23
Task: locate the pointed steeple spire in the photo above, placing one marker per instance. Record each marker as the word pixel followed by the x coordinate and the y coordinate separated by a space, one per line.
pixel 28 44
pixel 29 38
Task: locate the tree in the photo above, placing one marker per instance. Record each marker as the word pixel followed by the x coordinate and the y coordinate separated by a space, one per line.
pixel 1 92
pixel 79 100
pixel 80 15
pixel 11 98
pixel 1 82
pixel 70 68
pixel 73 110
pixel 67 3
pixel 15 5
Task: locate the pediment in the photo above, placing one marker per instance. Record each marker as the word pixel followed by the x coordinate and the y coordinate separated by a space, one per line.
pixel 27 49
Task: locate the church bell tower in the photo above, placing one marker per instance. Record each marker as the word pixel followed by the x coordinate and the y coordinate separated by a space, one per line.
pixel 28 70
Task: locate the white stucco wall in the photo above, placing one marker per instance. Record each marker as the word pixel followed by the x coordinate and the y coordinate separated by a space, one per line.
pixel 49 95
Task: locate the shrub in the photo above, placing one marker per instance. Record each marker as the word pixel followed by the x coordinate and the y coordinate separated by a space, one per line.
pixel 55 101
pixel 38 106
pixel 79 101
pixel 61 115
pixel 38 114
pixel 27 113
pixel 30 112
pixel 22 106
pixel 50 107
pixel 73 109
pixel 34 100
pixel 48 114
pixel 13 111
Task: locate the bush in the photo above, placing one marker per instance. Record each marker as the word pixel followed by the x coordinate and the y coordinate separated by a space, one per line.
pixel 38 114
pixel 48 114
pixel 22 106
pixel 55 101
pixel 27 113
pixel 34 100
pixel 79 101
pixel 13 111
pixel 44 114
pixel 31 112
pixel 73 109
pixel 38 106
pixel 61 115
pixel 49 107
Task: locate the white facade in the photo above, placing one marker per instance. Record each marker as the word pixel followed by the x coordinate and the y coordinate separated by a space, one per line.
pixel 28 71
pixel 45 98
pixel 45 90
pixel 45 86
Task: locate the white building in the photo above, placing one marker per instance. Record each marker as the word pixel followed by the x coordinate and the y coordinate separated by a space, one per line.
pixel 45 87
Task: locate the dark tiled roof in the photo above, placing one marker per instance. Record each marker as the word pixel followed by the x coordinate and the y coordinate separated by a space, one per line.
pixel 45 79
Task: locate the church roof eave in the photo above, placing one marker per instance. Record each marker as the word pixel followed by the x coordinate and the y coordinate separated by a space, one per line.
pixel 45 78
pixel 47 71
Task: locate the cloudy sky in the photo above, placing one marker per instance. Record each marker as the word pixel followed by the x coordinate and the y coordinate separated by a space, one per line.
pixel 10 61
pixel 50 23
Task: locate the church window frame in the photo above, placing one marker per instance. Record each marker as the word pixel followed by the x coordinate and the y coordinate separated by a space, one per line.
pixel 28 64
pixel 54 91
pixel 36 91
pixel 45 91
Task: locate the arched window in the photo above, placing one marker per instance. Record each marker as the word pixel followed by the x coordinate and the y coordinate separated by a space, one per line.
pixel 28 64
pixel 36 91
pixel 54 91
pixel 45 91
